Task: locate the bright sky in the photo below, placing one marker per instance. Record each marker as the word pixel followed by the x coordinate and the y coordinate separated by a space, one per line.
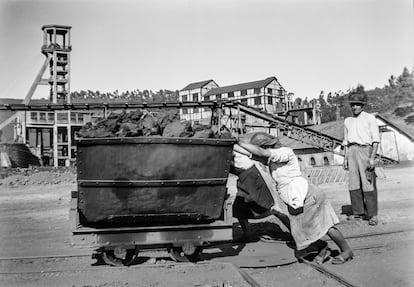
pixel 308 45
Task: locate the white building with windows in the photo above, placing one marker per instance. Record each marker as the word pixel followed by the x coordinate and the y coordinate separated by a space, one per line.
pixel 195 92
pixel 267 95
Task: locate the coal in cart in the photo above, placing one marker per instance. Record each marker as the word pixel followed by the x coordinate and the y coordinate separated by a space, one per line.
pixel 151 192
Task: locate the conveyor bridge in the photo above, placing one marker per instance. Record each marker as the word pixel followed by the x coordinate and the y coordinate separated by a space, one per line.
pixel 289 129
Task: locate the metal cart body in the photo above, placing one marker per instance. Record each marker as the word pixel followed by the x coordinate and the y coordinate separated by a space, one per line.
pixel 151 192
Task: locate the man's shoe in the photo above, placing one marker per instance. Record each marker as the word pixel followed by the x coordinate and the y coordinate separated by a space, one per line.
pixel 355 217
pixel 373 221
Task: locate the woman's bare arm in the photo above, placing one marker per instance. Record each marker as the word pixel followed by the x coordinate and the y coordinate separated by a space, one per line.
pixel 255 150
pixel 239 149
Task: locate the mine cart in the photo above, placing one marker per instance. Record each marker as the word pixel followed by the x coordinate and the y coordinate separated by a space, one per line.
pixel 151 192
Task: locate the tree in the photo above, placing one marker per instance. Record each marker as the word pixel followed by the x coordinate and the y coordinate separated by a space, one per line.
pixel 298 102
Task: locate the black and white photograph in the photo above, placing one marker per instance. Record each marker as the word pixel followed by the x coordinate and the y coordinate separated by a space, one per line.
pixel 206 143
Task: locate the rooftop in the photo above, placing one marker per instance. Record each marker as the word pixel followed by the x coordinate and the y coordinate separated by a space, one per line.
pixel 196 85
pixel 240 87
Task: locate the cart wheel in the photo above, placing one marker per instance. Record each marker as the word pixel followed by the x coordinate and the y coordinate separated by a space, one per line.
pixel 178 254
pixel 119 256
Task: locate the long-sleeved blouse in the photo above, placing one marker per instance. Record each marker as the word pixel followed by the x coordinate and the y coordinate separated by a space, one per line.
pixel 285 170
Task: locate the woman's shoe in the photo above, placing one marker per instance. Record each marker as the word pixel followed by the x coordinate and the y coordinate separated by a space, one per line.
pixel 340 259
pixel 320 259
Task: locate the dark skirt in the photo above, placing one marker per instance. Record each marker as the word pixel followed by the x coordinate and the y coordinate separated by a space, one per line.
pixel 251 182
pixel 246 210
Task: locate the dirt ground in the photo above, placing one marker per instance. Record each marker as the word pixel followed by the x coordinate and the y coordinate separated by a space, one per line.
pixel 34 223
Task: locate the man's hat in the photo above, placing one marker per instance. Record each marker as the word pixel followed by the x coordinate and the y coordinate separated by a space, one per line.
pixel 358 98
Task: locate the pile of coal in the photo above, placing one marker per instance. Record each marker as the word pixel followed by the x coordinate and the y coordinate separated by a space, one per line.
pixel 165 123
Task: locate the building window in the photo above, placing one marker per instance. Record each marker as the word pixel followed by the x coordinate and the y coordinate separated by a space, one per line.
pixel 257 100
pixel 325 161
pixel 62 135
pixel 51 117
pixel 312 161
pixel 62 118
pixel 218 97
pixel 185 111
pixel 184 98
pixel 33 116
pixel 73 118
pixel 196 110
pixel 195 97
pixel 257 91
pixel 230 94
pixel 206 98
pixel 244 101
pixel 270 100
pixel 243 93
pixel 270 91
pixel 42 117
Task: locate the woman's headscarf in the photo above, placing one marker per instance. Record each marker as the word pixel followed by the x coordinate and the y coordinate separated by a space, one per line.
pixel 264 140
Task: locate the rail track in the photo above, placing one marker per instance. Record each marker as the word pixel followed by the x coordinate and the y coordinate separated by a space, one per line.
pixel 243 271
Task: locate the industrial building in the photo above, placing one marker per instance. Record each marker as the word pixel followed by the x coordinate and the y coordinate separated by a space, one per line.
pixel 49 134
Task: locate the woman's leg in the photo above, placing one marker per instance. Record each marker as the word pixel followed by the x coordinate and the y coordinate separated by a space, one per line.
pixel 338 238
pixel 283 218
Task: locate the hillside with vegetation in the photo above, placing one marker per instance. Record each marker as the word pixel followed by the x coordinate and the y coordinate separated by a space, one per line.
pixel 395 101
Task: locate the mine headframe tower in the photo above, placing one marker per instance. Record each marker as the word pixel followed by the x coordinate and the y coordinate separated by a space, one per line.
pixel 53 128
pixel 56 47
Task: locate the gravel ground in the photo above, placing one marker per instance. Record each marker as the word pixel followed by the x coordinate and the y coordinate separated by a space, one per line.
pixel 34 221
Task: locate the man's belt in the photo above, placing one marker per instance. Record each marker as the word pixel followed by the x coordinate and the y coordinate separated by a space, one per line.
pixel 357 144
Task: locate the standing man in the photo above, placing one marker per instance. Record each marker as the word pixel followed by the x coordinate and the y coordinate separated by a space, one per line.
pixel 361 140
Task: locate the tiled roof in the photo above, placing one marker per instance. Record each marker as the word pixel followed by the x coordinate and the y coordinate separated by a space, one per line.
pixel 98 100
pixel 20 101
pixel 398 126
pixel 333 129
pixel 196 85
pixel 240 87
pixel 10 101
pixel 73 100
pixel 39 102
pixel 294 144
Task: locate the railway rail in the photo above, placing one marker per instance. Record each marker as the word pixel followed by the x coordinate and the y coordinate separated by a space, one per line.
pixel 243 271
pixel 366 235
